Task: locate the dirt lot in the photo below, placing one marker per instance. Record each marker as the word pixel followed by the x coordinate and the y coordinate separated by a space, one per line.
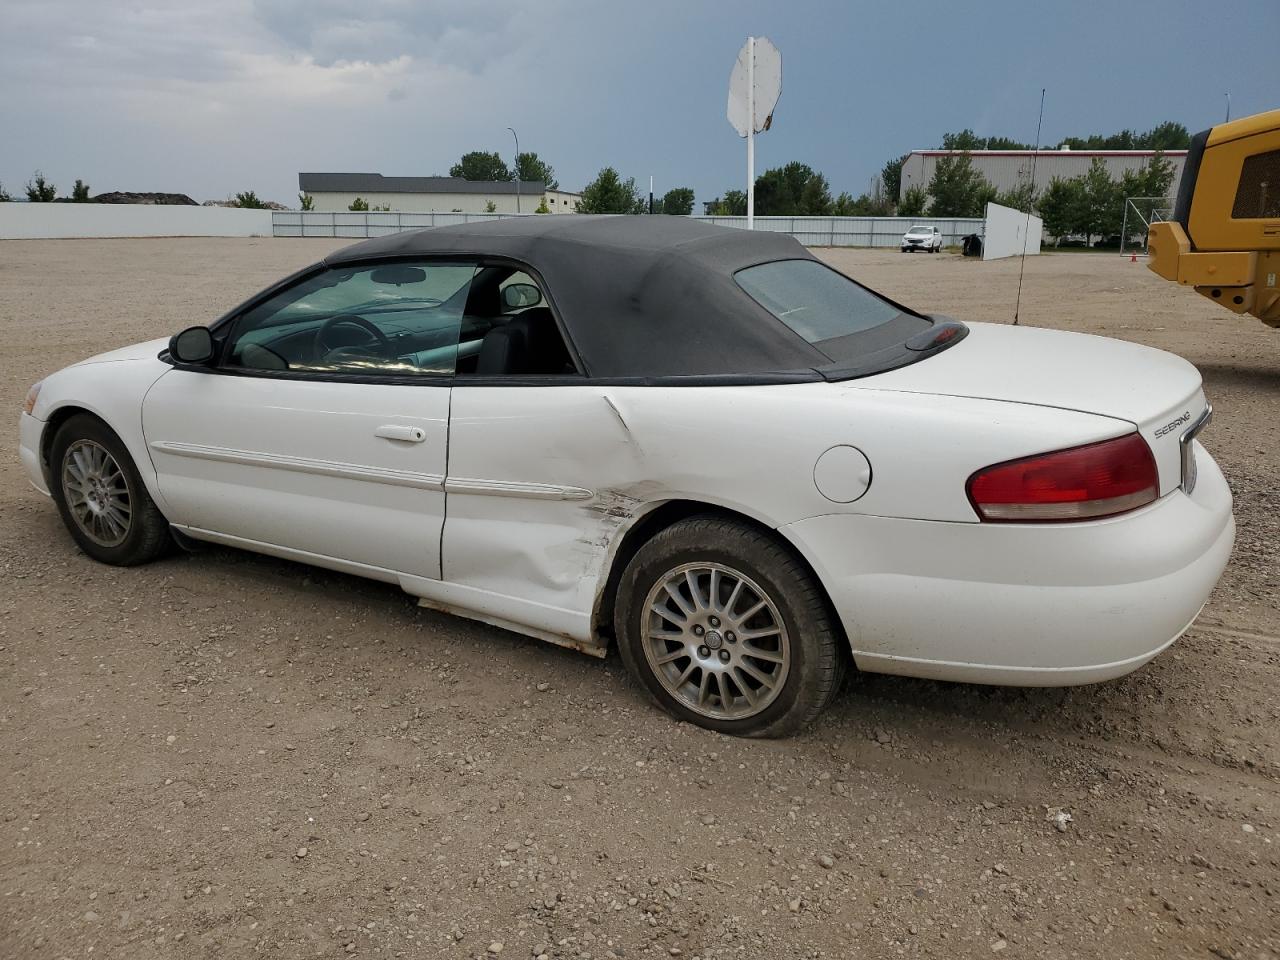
pixel 223 755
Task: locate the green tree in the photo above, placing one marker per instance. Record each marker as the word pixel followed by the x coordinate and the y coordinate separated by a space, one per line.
pixel 678 202
pixel 609 193
pixel 815 197
pixel 40 190
pixel 844 205
pixel 1099 206
pixel 306 201
pixel 914 202
pixel 249 200
pixel 958 189
pixel 479 165
pixel 1165 136
pixel 359 204
pixel 732 204
pixel 891 177
pixel 1005 143
pixel 1022 197
pixel 864 206
pixel 965 140
pixel 792 190
pixel 530 167
pixel 1057 206
pixel 4 196
pixel 490 207
pixel 80 192
pixel 542 206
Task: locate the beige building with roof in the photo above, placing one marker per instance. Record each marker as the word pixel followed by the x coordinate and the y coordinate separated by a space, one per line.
pixel 335 192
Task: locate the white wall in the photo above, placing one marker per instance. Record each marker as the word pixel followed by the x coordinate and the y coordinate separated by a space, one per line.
pixel 28 221
pixel 1006 228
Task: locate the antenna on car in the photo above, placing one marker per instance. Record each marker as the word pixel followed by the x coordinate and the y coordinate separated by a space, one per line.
pixel 1026 230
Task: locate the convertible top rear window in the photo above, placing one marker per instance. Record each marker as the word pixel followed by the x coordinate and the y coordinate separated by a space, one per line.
pixel 815 301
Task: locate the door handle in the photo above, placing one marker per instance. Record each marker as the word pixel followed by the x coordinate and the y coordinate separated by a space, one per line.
pixel 392 431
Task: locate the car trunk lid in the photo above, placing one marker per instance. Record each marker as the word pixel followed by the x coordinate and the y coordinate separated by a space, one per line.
pixel 1159 393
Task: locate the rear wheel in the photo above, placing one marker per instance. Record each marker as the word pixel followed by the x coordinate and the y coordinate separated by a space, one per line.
pixel 101 497
pixel 725 628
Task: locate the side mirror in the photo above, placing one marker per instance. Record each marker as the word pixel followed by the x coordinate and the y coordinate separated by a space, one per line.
pixel 192 346
pixel 519 295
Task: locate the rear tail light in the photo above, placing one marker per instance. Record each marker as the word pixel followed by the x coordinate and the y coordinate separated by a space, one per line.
pixel 1081 483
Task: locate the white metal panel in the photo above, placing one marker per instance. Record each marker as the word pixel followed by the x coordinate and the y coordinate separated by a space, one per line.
pixel 754 88
pixel 1026 604
pixel 1010 233
pixel 299 464
pixel 636 447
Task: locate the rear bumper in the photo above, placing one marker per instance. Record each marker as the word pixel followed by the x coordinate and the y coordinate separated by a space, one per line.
pixel 30 431
pixel 1023 604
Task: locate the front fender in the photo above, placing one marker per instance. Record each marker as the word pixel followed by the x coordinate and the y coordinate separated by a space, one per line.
pixel 113 391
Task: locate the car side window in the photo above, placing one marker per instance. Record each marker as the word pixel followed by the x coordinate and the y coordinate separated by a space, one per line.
pixel 510 329
pixel 375 320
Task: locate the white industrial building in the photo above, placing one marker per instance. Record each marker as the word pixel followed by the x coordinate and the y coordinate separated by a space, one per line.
pixel 1005 169
pixel 335 192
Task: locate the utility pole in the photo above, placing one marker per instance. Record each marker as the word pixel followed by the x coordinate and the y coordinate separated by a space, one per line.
pixel 513 133
pixel 751 133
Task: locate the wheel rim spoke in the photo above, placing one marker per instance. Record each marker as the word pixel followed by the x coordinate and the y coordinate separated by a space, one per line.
pixel 689 618
pixel 679 601
pixel 756 653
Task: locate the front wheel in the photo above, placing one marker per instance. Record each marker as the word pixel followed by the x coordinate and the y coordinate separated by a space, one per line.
pixel 725 628
pixel 101 496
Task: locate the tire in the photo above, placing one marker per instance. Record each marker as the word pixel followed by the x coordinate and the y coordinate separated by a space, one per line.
pixel 796 642
pixel 109 514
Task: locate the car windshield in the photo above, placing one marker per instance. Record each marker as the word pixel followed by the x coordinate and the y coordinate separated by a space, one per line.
pixel 921 230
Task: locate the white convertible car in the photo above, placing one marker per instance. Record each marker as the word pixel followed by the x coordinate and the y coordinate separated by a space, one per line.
pixel 701 445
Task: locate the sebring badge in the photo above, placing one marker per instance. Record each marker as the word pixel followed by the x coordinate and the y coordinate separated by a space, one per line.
pixel 1170 427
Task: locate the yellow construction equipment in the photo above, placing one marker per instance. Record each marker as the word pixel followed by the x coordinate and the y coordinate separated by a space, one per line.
pixel 1224 238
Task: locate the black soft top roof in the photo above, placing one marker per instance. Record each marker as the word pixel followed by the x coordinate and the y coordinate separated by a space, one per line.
pixel 641 296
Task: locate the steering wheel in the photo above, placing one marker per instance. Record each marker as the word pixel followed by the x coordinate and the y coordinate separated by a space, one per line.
pixel 379 342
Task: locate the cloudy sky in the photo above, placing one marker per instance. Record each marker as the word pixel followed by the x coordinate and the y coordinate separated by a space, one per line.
pixel 208 97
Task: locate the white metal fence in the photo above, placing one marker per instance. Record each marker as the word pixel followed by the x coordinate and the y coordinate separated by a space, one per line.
pixel 811 231
pixel 858 231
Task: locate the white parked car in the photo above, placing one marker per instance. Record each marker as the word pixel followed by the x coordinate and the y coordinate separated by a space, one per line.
pixel 922 238
pixel 702 446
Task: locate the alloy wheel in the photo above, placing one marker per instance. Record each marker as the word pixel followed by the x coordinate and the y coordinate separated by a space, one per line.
pixel 97 493
pixel 716 641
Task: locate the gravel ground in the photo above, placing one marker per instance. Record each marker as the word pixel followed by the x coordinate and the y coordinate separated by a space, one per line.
pixel 222 755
